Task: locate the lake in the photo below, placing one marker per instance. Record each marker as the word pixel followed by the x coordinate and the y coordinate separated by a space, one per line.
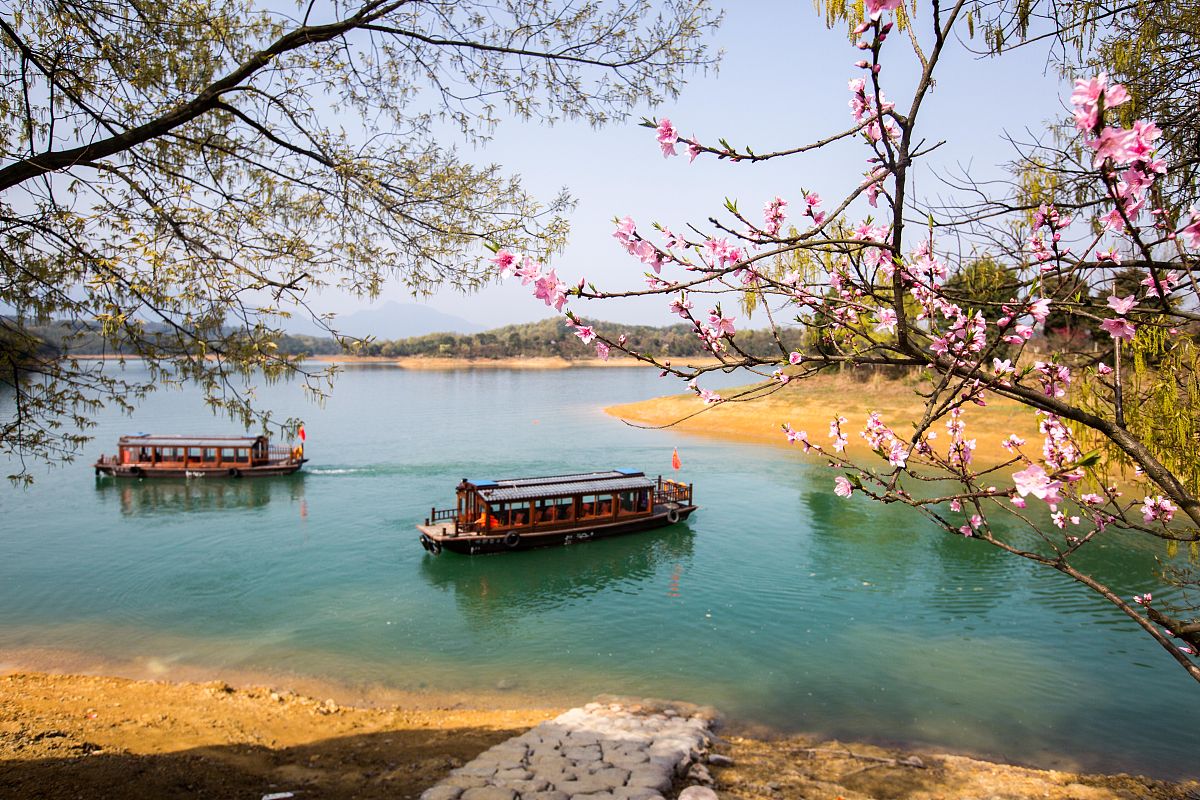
pixel 777 602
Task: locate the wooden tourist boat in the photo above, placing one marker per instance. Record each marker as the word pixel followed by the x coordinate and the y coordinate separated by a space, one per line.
pixel 148 456
pixel 522 513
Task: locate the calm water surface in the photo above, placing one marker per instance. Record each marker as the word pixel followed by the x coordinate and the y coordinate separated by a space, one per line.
pixel 777 601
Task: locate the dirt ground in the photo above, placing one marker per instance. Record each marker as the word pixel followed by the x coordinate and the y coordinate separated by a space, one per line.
pixel 72 736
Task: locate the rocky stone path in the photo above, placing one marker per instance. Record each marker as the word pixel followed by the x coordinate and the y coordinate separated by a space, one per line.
pixel 623 750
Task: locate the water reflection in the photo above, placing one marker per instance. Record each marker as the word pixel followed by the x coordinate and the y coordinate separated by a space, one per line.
pixel 506 586
pixel 170 496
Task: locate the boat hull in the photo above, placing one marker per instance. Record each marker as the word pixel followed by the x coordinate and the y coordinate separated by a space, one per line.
pixel 435 538
pixel 259 471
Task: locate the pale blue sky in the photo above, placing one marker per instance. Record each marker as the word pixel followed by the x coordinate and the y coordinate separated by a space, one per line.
pixel 782 82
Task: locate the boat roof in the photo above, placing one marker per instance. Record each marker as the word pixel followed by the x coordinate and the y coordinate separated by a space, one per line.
pixel 176 440
pixel 512 489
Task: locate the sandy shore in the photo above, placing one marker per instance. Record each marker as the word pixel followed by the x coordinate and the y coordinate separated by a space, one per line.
pixel 91 736
pixel 535 363
pixel 810 405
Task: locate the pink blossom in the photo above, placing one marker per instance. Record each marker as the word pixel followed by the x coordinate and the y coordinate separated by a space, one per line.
pixel 709 396
pixel 1119 328
pixel 1104 369
pixel 681 307
pixel 1157 508
pixel 842 486
pixel 887 321
pixel 550 289
pixel 530 271
pixel 773 215
pixel 722 326
pixel 1121 305
pixel 1036 482
pixel 602 351
pixel 585 333
pixel 1086 99
pixel 1192 230
pixel 794 436
pixel 1039 309
pixel 506 262
pixel 693 150
pixel 667 136
pixel 795 358
pixel 1012 442
pixel 877 7
pixel 1143 599
pixel 1167 282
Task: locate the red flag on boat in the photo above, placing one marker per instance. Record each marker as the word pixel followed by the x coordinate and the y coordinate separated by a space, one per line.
pixel 675 462
pixel 301 431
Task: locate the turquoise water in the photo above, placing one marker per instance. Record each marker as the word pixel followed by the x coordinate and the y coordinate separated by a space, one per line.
pixel 777 602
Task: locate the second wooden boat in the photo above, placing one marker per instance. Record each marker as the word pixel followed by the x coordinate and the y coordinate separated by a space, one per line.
pixel 496 516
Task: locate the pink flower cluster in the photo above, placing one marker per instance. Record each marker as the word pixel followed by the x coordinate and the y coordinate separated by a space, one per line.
pixel 1157 508
pixel 1116 147
pixel 773 216
pixel 626 234
pixel 881 439
pixel 668 137
pixel 863 108
pixel 546 286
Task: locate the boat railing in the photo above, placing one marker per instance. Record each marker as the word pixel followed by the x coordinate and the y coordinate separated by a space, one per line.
pixel 437 515
pixel 282 453
pixel 668 491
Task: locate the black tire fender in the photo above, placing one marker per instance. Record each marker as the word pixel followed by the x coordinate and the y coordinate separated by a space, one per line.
pixel 672 515
pixel 235 473
pixel 512 539
pixel 435 547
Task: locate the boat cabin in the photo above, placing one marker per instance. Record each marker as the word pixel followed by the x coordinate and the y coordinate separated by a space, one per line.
pixel 189 451
pixel 147 455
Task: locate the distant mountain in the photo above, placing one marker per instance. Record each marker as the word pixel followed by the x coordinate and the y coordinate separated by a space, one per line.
pixel 392 320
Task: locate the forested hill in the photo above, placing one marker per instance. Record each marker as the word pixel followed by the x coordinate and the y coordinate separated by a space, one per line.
pixel 549 337
pixel 552 337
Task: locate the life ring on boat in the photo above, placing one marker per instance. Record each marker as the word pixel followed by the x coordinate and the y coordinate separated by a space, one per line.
pixel 672 515
pixel 234 472
pixel 512 539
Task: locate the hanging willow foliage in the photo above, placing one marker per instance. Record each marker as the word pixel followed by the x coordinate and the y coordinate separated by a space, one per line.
pixel 1161 387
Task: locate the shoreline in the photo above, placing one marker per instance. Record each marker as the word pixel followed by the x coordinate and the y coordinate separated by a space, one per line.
pixel 69 734
pixel 452 363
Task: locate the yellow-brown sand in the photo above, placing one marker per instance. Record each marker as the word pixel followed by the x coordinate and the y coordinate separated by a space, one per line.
pixel 810 404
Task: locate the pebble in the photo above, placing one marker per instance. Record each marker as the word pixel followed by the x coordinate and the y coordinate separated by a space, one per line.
pixel 602 751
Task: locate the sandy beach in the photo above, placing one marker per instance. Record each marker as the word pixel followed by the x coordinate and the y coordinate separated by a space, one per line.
pixel 65 735
pixel 809 405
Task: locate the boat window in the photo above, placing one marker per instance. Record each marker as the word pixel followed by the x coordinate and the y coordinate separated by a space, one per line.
pixel 210 454
pixel 518 513
pixel 632 502
pixel 595 505
pixel 227 453
pixel 195 453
